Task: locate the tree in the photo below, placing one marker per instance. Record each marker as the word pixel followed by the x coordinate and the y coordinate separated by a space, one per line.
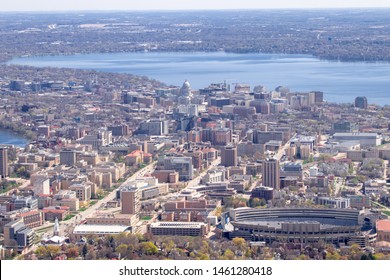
pixel 235 202
pixel 123 250
pixel 248 253
pixel 303 257
pixel 355 252
pixel 324 157
pixel 169 246
pixel 229 255
pixel 332 256
pixel 85 250
pixel 266 254
pixel 99 194
pixel 202 256
pixel 218 211
pixel 205 247
pixel 239 242
pixel 22 172
pixel 72 253
pixel 53 251
pixel 91 255
pixel 149 248
pixel 254 202
pixel 41 252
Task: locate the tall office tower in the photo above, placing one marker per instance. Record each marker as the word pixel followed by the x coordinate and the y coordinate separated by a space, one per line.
pixel 229 156
pixel 318 97
pixel 74 133
pixel 44 130
pixel 3 162
pixel 130 200
pixel 361 102
pixel 271 173
pixel 183 165
pixel 154 127
pixel 68 157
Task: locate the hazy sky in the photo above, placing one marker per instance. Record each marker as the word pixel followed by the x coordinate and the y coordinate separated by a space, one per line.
pixel 56 5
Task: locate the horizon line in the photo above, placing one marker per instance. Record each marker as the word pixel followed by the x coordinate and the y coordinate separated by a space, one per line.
pixel 198 10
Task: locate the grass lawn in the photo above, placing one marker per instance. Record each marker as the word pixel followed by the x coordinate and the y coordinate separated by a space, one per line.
pixel 386 213
pixel 69 217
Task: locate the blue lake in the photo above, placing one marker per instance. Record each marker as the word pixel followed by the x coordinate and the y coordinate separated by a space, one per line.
pixel 340 81
pixel 9 138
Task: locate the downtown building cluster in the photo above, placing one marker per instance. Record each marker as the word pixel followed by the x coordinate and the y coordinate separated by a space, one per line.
pixel 178 161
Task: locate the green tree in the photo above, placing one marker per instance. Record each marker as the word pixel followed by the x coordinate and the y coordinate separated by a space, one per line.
pixel 355 252
pixel 123 250
pixel 303 257
pixel 379 256
pixel 218 211
pixel 22 172
pixel 202 256
pixel 149 248
pixel 254 202
pixel 229 255
pixel 169 246
pixel 84 250
pixel 332 256
pixel 239 242
pixel 53 251
pixel 41 252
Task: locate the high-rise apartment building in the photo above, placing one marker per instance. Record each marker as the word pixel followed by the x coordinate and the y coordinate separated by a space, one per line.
pixel 229 156
pixel 68 157
pixel 154 127
pixel 271 173
pixel 130 200
pixel 361 102
pixel 44 130
pixel 3 162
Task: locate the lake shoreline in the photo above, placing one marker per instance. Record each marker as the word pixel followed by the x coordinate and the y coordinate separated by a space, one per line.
pixel 341 82
pixel 17 139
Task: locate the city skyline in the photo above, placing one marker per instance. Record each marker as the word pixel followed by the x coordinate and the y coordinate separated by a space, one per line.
pixel 117 164
pixel 90 5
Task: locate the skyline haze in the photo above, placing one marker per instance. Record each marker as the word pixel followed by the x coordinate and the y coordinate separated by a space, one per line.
pixel 100 5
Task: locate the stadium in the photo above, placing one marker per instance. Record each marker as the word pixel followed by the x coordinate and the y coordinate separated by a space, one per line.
pixel 294 225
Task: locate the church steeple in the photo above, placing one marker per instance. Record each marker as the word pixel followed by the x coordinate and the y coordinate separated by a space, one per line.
pixel 56 231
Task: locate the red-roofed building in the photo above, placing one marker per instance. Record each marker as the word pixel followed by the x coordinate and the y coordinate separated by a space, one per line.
pixel 210 154
pixel 135 157
pixel 32 218
pixel 53 212
pixel 148 158
pixel 383 230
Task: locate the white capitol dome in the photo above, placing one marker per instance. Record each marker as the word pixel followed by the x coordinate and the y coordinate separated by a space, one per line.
pixel 186 84
pixel 185 90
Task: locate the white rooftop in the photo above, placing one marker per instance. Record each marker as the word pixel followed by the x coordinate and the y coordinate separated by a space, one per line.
pixel 177 225
pixel 99 229
pixel 357 134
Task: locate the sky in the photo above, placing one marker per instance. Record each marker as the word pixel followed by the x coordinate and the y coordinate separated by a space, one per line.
pixel 84 5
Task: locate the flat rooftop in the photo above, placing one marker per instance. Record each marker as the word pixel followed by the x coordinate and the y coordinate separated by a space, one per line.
pixel 347 134
pixel 383 225
pixel 99 229
pixel 177 225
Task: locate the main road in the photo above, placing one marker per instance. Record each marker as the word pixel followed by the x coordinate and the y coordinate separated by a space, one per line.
pixel 192 183
pixel 65 226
